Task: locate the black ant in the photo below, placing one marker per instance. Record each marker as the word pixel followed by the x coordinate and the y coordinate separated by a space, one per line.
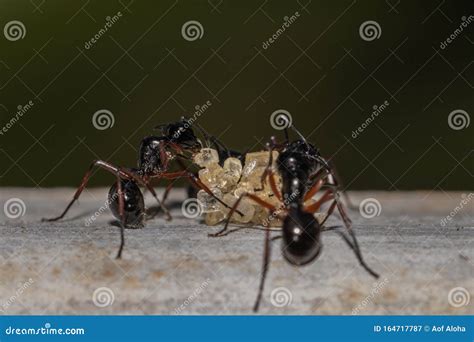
pixel 155 153
pixel 304 173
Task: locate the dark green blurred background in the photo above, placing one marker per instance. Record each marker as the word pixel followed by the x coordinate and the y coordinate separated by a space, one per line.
pixel 320 70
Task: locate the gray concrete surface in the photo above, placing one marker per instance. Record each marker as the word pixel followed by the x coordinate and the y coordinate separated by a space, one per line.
pixel 173 267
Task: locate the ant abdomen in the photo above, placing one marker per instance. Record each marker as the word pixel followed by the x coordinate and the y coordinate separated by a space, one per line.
pixel 301 242
pixel 134 205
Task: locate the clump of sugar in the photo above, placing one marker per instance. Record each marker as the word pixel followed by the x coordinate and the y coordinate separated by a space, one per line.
pixel 231 181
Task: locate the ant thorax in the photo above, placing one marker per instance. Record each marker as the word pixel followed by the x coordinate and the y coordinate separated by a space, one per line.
pixel 232 180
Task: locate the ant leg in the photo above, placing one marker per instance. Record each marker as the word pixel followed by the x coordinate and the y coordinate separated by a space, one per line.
pixel 230 231
pixel 327 229
pixel 253 197
pixel 338 183
pixel 265 173
pixel 354 245
pixel 122 216
pixel 331 193
pixel 160 203
pixel 124 174
pixel 85 180
pixel 327 196
pixel 355 248
pixel 276 191
pixel 318 182
pixel 342 211
pixel 272 146
pixel 265 267
pixel 347 221
pixel 167 191
pixel 313 190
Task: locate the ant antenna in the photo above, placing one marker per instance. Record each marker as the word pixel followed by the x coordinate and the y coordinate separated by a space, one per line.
pixel 205 134
pixel 160 127
pixel 299 134
pixel 287 137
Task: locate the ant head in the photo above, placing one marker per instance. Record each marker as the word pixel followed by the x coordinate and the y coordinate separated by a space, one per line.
pixel 304 147
pixel 181 134
pixel 298 159
pixel 149 156
pixel 301 242
pixel 134 205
